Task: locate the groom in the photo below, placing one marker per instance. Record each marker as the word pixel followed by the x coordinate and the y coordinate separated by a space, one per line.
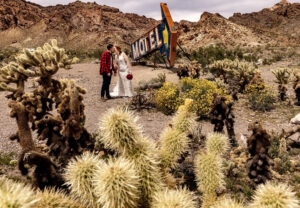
pixel 106 69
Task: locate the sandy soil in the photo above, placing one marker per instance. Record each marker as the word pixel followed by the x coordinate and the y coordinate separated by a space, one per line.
pixel 153 123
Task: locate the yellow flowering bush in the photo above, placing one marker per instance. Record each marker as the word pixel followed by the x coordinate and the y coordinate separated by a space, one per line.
pixel 201 91
pixel 167 98
pixel 260 96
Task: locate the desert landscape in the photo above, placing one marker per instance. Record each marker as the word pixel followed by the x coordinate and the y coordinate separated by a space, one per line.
pixel 219 129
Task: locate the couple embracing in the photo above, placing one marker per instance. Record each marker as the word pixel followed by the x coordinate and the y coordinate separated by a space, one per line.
pixel 122 69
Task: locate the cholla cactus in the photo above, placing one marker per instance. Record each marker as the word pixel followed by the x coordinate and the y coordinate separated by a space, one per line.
pixel 217 143
pixel 47 60
pixel 51 198
pixel 184 117
pixel 147 164
pixel 180 198
pixel 120 130
pixel 282 75
pixel 209 176
pixel 296 86
pixel 117 184
pixel 282 147
pixel 239 71
pixel 123 134
pixel 272 195
pixel 227 203
pixel 192 70
pixel 173 144
pixel 16 195
pixel 79 175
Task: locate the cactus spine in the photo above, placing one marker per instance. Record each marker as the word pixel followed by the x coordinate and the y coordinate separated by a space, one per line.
pixel 117 184
pixel 51 198
pixel 227 203
pixel 16 195
pixel 120 130
pixel 217 143
pixel 209 176
pixel 79 175
pixel 272 195
pixel 184 117
pixel 173 144
pixel 180 198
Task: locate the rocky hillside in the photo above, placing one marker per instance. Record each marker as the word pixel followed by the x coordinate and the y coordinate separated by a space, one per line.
pixel 89 26
pixel 283 19
pixel 77 25
pixel 214 28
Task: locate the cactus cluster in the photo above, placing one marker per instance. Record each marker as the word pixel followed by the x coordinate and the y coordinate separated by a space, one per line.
pixel 54 109
pixel 282 75
pixel 192 70
pixel 296 87
pixel 122 134
pixel 239 72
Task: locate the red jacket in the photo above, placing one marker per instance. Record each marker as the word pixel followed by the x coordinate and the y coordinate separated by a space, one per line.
pixel 105 63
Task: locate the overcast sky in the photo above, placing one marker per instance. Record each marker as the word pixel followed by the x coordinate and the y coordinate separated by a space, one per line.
pixel 180 9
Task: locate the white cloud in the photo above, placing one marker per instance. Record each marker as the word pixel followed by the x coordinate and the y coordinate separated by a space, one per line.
pixel 180 9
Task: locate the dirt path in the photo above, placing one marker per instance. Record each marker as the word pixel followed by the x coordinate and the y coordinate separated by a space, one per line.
pixel 153 123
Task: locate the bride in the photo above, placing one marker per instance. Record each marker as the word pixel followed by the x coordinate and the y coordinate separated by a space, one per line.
pixel 124 86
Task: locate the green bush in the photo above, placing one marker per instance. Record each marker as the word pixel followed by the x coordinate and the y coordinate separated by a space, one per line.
pixel 167 98
pixel 260 97
pixel 201 91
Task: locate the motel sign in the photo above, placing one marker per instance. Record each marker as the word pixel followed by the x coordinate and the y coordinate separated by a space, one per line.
pixel 162 37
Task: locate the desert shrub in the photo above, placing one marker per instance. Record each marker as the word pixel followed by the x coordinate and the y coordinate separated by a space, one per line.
pixel 208 55
pixel 167 98
pixel 83 54
pixel 260 97
pixel 267 61
pixel 154 83
pixel 6 159
pixel 201 91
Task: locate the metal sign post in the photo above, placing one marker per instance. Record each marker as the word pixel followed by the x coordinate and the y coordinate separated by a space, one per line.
pixel 162 37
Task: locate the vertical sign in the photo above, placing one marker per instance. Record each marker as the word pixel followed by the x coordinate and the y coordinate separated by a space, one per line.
pixel 162 37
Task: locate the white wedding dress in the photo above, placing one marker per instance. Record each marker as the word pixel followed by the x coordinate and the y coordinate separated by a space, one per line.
pixel 124 86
